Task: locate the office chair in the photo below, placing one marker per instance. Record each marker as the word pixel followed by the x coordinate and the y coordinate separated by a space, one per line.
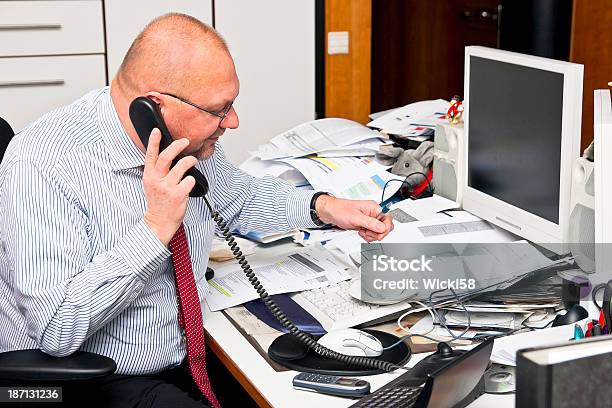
pixel 30 366
pixel 6 134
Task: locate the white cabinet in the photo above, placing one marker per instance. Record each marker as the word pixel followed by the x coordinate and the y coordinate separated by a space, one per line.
pixel 30 87
pixel 51 53
pixel 273 45
pixel 51 27
pixel 126 19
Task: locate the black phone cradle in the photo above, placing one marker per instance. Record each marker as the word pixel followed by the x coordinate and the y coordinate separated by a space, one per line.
pixel 290 352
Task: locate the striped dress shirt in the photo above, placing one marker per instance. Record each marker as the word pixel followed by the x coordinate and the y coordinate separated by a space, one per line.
pixel 79 268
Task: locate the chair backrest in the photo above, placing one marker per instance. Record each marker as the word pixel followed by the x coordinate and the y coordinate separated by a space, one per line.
pixel 6 134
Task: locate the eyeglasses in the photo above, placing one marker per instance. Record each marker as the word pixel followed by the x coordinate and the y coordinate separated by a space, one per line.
pixel 221 115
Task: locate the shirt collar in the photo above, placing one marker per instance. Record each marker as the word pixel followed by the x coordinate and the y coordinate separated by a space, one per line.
pixel 124 154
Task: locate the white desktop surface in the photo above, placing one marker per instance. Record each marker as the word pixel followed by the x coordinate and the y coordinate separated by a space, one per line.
pixel 276 387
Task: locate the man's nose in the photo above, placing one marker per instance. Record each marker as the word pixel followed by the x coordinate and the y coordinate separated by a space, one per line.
pixel 231 121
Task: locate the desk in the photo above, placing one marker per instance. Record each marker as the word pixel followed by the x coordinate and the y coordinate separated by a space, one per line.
pixel 273 389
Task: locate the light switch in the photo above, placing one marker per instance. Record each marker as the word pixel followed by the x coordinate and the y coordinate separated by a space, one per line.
pixel 337 42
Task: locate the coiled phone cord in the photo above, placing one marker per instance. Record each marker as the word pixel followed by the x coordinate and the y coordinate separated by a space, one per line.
pixel 303 337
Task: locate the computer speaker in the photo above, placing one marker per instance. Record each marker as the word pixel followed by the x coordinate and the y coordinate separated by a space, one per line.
pixel 449 161
pixel 582 214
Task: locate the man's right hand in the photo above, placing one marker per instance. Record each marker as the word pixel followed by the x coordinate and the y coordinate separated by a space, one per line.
pixel 165 189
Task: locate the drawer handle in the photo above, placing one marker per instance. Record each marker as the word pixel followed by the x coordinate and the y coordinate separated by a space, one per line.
pixel 50 26
pixel 33 82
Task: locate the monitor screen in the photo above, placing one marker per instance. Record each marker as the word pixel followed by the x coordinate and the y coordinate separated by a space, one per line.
pixel 514 144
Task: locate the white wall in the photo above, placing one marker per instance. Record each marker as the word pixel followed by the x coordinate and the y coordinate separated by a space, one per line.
pixel 273 45
pixel 126 18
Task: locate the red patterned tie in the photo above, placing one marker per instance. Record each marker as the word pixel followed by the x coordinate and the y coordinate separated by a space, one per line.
pixel 190 314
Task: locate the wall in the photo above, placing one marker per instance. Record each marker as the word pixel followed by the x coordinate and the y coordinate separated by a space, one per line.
pixel 273 45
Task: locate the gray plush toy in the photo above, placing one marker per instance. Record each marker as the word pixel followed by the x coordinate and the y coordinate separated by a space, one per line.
pixel 406 162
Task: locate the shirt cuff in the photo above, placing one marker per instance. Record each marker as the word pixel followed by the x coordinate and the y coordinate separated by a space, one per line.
pixel 298 209
pixel 142 251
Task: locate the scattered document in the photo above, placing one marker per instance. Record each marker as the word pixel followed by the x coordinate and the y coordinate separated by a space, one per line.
pixel 426 326
pixel 505 308
pixel 427 208
pixel 315 136
pixel 376 115
pixel 414 119
pixel 320 236
pixel 462 227
pixel 358 178
pixel 349 245
pixel 268 237
pixel 220 251
pixel 505 348
pixel 480 320
pixel 309 268
pixel 367 147
pixel 259 168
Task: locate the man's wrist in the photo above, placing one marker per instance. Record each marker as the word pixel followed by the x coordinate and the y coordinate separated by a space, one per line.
pixel 318 209
pixel 162 235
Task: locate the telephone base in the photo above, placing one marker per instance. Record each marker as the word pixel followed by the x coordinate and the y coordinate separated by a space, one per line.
pixel 289 352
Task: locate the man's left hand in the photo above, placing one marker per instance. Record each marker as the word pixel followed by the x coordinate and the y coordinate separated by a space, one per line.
pixel 357 215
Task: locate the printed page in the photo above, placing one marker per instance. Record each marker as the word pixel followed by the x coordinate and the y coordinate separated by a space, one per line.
pixel 308 268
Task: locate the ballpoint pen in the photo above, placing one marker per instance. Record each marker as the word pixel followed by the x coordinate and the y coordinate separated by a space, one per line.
pixel 382 213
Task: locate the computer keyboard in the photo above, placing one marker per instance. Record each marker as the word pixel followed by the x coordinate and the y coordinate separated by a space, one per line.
pixel 400 396
pixel 335 308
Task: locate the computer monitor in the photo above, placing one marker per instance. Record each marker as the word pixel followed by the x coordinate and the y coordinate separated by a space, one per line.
pixel 522 127
pixel 603 182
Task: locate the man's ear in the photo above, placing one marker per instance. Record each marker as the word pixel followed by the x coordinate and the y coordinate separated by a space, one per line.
pixel 157 98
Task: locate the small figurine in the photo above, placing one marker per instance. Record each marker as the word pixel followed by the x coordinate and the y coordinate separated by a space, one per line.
pixel 455 110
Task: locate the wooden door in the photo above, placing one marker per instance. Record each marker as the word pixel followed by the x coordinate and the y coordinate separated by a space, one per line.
pixel 592 46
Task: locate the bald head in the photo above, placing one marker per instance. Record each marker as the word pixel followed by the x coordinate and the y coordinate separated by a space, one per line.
pixel 173 52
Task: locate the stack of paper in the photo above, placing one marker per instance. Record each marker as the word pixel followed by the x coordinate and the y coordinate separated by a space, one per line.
pixel 505 348
pixel 365 148
pixel 359 178
pixel 427 327
pixel 484 320
pixel 416 120
pixel 316 136
pixel 333 155
pixel 259 168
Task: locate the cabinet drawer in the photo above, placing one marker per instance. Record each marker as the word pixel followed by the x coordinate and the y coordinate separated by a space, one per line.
pixel 32 86
pixel 50 27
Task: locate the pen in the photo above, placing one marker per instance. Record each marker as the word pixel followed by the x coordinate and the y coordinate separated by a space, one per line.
pixel 382 213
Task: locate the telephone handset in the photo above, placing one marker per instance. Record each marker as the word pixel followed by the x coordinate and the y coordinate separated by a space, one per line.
pixel 146 116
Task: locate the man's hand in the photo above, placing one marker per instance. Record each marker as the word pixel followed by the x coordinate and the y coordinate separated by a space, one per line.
pixel 165 189
pixel 357 215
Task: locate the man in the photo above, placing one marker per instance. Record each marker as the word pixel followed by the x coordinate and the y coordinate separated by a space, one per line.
pixel 101 254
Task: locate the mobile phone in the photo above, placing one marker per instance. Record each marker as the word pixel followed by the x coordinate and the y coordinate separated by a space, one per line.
pixel 332 385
